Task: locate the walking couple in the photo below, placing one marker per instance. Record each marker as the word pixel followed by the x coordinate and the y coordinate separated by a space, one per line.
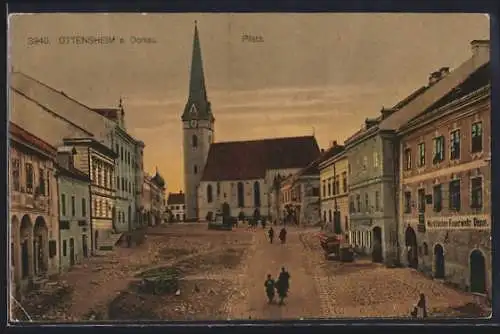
pixel 281 286
pixel 282 235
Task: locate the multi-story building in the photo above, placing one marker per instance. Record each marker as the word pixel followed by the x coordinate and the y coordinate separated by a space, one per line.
pixel 176 207
pixel 300 196
pixel 33 210
pixel 128 170
pixel 97 160
pixel 74 215
pixel 445 210
pixel 153 199
pixel 333 170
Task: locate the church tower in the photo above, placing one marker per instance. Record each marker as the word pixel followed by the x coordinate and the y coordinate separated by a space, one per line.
pixel 198 130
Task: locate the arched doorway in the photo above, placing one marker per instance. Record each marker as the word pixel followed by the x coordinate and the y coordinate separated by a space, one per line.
pixel 477 272
pixel 113 217
pixel 377 255
pixel 40 245
pixel 26 237
pixel 411 245
pixel 438 261
pixel 14 248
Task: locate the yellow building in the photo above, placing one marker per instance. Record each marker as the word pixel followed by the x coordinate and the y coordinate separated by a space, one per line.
pixel 333 171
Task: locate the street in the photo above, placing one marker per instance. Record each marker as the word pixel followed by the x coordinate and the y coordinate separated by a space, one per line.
pixel 222 276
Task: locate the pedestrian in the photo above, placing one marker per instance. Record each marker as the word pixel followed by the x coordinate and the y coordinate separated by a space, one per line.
pixel 271 234
pixel 422 305
pixel 270 285
pixel 283 235
pixel 283 284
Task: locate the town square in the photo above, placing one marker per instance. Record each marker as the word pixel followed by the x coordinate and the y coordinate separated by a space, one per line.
pixel 237 171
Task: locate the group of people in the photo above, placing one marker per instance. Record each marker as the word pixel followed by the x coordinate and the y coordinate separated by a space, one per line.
pixel 281 286
pixel 282 235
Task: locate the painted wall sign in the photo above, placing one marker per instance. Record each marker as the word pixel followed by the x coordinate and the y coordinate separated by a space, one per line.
pixel 477 222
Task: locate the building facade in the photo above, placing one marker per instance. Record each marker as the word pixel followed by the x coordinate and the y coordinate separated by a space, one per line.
pixel 333 170
pixel 176 206
pixel 98 161
pixel 445 209
pixel 33 210
pixel 153 199
pixel 74 215
pixel 300 197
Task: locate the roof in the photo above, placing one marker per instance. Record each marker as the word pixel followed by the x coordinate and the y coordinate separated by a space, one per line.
pixel 245 160
pixel 434 93
pixel 73 173
pixel 175 198
pixel 331 152
pixel 109 113
pixel 91 142
pixel 28 138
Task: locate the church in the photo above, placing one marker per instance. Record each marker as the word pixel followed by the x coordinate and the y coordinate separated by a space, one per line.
pixel 236 174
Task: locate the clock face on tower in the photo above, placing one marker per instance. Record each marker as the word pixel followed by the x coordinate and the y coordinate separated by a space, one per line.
pixel 193 123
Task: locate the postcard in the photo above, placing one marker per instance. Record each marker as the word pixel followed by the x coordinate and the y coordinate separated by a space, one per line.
pixel 264 166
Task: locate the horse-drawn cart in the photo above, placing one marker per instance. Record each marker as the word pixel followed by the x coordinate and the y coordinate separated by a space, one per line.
pixel 335 248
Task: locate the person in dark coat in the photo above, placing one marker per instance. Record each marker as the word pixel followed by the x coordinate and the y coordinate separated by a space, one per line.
pixel 283 284
pixel 270 285
pixel 271 234
pixel 283 235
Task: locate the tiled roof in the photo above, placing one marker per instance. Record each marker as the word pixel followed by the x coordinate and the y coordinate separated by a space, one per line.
pixel 331 152
pixel 27 137
pixel 175 198
pixel 244 160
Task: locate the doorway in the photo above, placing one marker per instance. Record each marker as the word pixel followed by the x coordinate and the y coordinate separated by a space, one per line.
pixel 72 251
pixel 477 272
pixel 439 261
pixel 411 244
pixel 377 253
pixel 96 239
pixel 85 246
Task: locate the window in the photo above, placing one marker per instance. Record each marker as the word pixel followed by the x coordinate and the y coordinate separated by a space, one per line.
pixel 421 154
pixel 455 145
pixel 117 149
pixel 476 184
pixel 209 193
pixel 121 153
pixel 315 192
pixel 73 209
pixel 438 150
pixel 194 141
pixel 455 195
pixel 477 137
pixel 105 177
pixel 29 178
pixel 16 176
pixel 407 156
pixel 437 198
pixel 375 159
pixel 337 184
pixel 346 223
pixel 358 203
pixel 324 216
pixel 330 216
pixel 41 182
pixel 407 201
pixel 84 208
pixel 63 204
pixel 218 189
pixel 421 200
pixel 377 201
pixel 195 169
pixel 324 188
pixel 118 182
pixel 367 202
pixel 64 250
pixel 344 182
pixel 99 175
pixel 352 208
pixel 256 194
pixel 329 188
pixel 365 162
pixel 241 195
pixel 123 183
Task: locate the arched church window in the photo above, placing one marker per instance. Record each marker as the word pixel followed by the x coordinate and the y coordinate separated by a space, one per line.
pixel 209 194
pixel 195 169
pixel 194 141
pixel 256 194
pixel 241 195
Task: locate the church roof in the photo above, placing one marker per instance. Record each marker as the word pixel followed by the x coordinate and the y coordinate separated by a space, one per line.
pixel 175 198
pixel 244 160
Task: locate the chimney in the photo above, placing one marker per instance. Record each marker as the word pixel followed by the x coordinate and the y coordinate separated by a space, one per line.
pixel 369 122
pixel 334 144
pixel 480 48
pixel 434 77
pixel 444 71
pixel 322 150
pixel 385 112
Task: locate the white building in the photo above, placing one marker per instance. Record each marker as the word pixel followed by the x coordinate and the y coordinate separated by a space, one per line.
pixel 176 206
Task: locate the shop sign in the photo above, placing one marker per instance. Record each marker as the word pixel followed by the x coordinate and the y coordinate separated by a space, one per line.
pixel 473 222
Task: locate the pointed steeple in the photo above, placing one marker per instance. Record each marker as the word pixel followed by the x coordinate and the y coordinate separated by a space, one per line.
pixel 197 105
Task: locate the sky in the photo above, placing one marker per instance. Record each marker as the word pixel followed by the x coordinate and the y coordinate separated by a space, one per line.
pixel 320 74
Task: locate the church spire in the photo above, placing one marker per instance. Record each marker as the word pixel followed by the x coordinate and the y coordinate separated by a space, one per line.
pixel 197 105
